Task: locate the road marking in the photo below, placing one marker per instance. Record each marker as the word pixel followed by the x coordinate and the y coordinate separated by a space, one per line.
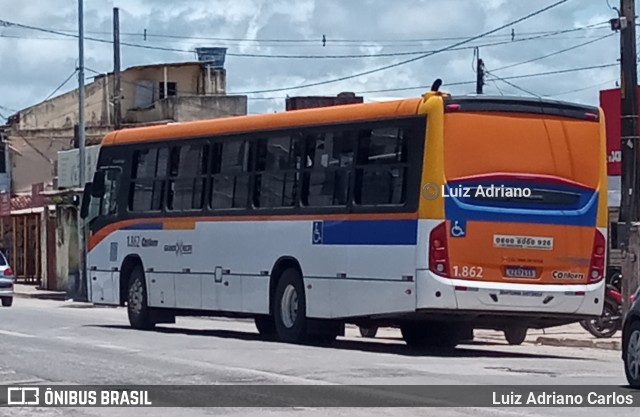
pixel 16 334
pixel 114 347
pixel 97 344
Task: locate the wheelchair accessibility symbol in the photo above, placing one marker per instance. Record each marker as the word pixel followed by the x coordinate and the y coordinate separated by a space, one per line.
pixel 317 233
pixel 458 230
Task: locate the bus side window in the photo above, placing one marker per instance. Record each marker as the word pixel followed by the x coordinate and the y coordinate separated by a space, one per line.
pixel 187 177
pixel 381 171
pixel 328 162
pixel 276 179
pixel 230 175
pixel 109 202
pixel 147 186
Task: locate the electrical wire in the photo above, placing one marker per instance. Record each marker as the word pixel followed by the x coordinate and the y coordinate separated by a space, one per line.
pixel 513 85
pixel 577 90
pixel 514 77
pixel 540 36
pixel 351 42
pixel 561 51
pixel 407 61
pixel 61 85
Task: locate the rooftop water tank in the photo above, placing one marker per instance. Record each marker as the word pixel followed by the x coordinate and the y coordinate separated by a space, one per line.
pixel 213 56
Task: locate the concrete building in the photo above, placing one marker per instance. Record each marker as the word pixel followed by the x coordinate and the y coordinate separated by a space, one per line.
pixel 171 92
pixel 39 156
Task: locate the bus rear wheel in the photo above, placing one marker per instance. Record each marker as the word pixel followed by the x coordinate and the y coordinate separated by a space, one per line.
pixel 138 310
pixel 515 335
pixel 290 307
pixel 266 326
pixel 430 335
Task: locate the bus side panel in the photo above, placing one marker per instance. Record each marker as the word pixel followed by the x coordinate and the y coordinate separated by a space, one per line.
pixel 189 264
pixel 103 288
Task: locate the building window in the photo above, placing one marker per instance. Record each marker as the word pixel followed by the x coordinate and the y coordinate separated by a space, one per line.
pixel 172 89
pixel 328 164
pixel 231 178
pixel 147 188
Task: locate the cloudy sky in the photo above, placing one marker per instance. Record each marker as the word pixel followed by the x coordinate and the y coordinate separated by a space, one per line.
pixel 34 63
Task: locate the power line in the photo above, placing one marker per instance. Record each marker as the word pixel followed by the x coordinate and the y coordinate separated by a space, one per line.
pixel 147 34
pixel 514 77
pixel 554 53
pixel 70 35
pixel 61 85
pixel 8 109
pixel 538 36
pixel 577 90
pixel 407 61
pixel 513 85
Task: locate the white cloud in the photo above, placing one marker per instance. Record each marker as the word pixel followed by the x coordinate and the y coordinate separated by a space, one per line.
pixel 32 68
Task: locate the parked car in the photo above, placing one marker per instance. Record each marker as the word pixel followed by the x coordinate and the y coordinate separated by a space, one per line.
pixel 6 282
pixel 631 342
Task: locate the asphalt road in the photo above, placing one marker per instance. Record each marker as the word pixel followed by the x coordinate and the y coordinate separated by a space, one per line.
pixel 69 343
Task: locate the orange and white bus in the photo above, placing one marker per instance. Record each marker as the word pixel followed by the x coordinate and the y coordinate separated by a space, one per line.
pixel 436 215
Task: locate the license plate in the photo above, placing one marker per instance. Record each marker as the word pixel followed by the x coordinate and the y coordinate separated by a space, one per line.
pixel 519 272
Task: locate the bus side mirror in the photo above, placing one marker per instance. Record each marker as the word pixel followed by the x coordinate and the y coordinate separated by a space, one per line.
pixel 86 200
pixel 97 187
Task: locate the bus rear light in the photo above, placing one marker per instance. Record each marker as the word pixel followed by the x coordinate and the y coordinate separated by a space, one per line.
pixel 452 107
pixel 597 267
pixel 591 116
pixel 438 252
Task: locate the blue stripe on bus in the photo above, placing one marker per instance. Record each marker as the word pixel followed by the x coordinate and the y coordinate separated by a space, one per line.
pixel 367 232
pixel 585 216
pixel 144 226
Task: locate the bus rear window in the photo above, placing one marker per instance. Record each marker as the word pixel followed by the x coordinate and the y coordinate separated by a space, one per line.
pixel 522 196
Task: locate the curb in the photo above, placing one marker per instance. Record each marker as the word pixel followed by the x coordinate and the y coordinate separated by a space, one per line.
pixel 579 343
pixel 54 296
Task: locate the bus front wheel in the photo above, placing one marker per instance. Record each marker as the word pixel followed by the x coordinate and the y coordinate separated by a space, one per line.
pixel 290 307
pixel 138 310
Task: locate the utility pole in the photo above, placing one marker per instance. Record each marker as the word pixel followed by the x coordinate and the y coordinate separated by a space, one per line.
pixel 81 285
pixel 117 93
pixel 629 145
pixel 479 73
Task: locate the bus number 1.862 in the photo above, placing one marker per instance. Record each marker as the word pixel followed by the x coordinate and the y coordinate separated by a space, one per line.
pixel 467 271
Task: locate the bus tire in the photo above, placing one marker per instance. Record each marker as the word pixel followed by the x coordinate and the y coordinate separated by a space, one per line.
pixel 266 326
pixel 515 335
pixel 290 307
pixel 369 332
pixel 423 335
pixel 140 315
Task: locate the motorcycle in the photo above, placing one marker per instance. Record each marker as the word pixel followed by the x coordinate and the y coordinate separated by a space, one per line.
pixel 610 322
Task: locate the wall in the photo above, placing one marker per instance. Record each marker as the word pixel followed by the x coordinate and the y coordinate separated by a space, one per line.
pixel 67 249
pixel 189 108
pixel 34 154
pixel 186 109
pixel 187 77
pixel 62 111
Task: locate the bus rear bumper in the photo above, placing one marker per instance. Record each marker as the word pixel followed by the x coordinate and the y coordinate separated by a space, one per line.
pixel 436 292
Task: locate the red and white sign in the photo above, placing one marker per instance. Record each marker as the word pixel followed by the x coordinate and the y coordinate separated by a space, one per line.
pixel 610 101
